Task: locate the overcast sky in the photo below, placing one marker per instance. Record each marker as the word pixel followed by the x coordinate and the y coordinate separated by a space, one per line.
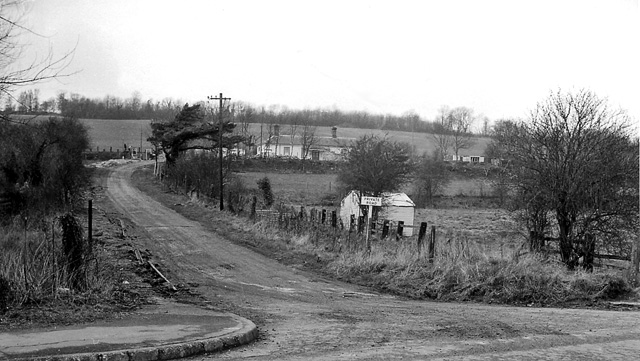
pixel 498 57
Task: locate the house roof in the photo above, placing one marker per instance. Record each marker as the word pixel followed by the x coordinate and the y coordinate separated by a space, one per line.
pixel 319 141
pixel 392 199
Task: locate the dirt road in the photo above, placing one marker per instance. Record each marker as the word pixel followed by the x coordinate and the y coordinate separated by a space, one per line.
pixel 303 316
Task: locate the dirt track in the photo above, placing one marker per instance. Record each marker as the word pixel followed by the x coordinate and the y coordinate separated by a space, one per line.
pixel 304 316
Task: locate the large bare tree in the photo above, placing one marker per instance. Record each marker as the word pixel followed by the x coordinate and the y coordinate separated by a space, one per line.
pixel 575 171
pixel 461 119
pixel 452 130
pixel 308 139
pixel 441 132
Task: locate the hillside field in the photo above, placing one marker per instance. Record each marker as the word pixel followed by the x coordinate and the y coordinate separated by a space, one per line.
pixel 421 142
pixel 105 133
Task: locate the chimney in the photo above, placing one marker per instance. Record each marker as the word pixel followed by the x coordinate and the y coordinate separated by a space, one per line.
pixel 276 130
pixel 334 132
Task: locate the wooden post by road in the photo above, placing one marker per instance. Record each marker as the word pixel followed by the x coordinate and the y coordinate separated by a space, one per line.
pixel 421 234
pixel 400 230
pixel 90 226
pixel 635 262
pixel 385 228
pixel 432 244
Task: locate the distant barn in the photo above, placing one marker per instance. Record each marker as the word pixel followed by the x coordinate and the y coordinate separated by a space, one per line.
pixel 395 207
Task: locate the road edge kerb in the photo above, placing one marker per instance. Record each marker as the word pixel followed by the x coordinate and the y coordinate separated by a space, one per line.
pixel 171 351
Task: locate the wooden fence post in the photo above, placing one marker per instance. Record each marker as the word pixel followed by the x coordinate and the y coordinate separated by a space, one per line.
pixel 432 244
pixel 385 228
pixel 186 190
pixel 589 252
pixel 635 261
pixel 90 226
pixel 400 229
pixel 254 202
pixel 421 234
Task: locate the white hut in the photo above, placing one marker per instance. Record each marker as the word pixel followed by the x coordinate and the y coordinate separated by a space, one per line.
pixel 395 207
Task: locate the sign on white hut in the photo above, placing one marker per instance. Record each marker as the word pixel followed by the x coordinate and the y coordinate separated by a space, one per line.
pixel 395 207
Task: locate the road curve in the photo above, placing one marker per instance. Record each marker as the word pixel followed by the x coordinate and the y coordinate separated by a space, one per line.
pixel 306 317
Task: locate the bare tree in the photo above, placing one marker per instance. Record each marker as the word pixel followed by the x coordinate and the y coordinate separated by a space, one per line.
pixel 460 129
pixel 293 131
pixel 431 177
pixel 12 74
pixel 575 169
pixel 244 115
pixel 308 139
pixel 486 127
pixel 441 132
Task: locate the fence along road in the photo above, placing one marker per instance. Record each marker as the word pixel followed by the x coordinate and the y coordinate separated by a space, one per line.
pixel 302 316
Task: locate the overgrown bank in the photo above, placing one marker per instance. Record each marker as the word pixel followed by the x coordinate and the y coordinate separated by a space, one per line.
pixel 41 286
pixel 459 272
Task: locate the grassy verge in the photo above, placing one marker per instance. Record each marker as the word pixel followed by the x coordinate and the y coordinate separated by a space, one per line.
pixel 36 287
pixel 460 273
pixel 461 270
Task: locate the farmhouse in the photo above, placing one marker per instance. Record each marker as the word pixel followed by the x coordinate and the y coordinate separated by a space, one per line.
pixel 395 207
pixel 466 158
pixel 314 148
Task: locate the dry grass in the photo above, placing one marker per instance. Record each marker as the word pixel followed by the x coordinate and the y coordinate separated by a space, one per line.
pixel 462 271
pixel 492 230
pixel 34 266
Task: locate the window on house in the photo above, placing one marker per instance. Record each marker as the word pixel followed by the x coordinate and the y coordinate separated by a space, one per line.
pixel 287 150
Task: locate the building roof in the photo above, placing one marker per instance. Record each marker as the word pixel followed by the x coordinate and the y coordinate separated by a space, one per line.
pixel 393 199
pixel 338 142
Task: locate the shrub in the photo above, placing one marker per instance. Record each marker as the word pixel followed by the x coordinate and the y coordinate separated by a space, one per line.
pixel 41 168
pixel 6 293
pixel 235 194
pixel 73 249
pixel 267 194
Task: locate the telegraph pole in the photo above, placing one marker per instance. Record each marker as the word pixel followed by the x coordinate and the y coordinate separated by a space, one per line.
pixel 221 99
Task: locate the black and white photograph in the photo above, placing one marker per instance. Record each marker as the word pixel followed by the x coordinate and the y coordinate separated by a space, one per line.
pixel 319 180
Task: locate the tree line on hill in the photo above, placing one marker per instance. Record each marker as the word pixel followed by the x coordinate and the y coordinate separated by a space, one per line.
pixel 135 107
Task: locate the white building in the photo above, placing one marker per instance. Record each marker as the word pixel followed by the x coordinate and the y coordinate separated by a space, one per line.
pixel 321 148
pixel 395 207
pixel 466 158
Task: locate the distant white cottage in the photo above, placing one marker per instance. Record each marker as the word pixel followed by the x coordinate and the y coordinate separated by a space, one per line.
pixel 321 148
pixel 466 158
pixel 395 207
